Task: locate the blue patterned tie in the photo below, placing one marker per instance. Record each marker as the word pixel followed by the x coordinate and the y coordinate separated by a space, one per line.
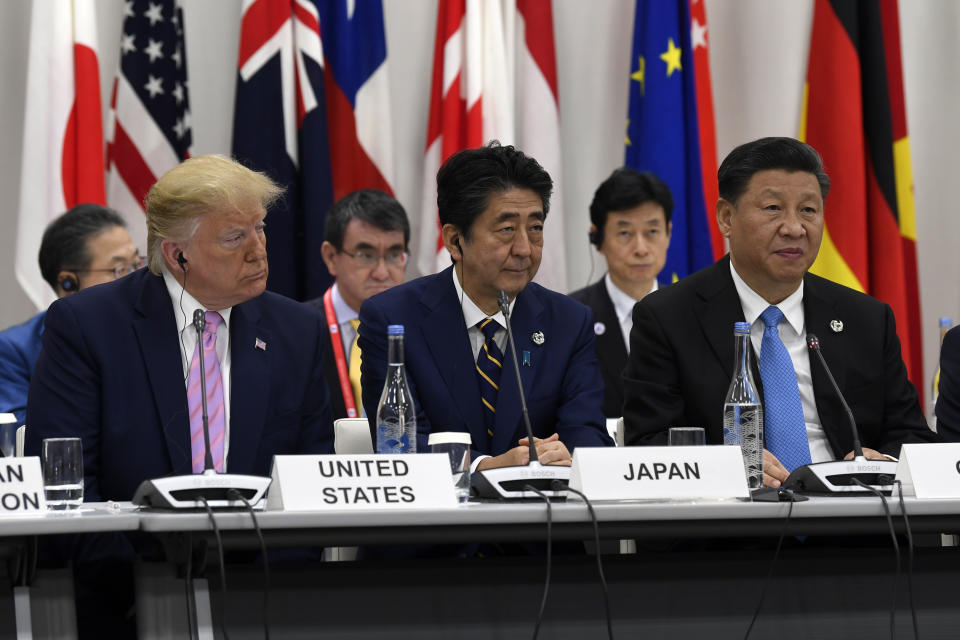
pixel 489 365
pixel 784 430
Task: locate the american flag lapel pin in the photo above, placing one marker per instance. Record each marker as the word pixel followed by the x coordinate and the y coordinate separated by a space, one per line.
pixel 260 344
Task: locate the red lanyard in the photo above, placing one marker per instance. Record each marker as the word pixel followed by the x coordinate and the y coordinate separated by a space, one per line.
pixel 345 387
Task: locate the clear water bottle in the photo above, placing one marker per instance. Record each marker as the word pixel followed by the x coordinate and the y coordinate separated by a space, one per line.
pixel 396 419
pixel 945 324
pixel 742 409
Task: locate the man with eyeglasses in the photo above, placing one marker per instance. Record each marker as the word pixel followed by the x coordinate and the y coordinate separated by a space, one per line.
pixel 365 249
pixel 86 246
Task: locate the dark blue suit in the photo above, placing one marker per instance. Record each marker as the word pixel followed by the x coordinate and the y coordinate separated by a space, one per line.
pixel 562 383
pixel 948 402
pixel 111 373
pixel 19 347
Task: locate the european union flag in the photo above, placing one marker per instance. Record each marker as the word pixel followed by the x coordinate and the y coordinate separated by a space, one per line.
pixel 662 131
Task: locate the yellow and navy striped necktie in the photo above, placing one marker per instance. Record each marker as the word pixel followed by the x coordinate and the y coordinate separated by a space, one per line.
pixel 489 365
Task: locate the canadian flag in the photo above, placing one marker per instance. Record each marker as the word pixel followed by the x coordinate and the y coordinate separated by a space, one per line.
pixel 63 129
pixel 494 77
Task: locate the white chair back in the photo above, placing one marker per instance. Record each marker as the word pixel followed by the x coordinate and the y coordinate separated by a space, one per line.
pixel 352 435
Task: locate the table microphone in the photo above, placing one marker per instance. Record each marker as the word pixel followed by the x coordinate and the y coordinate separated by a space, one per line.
pixel 838 477
pixel 507 483
pixel 186 491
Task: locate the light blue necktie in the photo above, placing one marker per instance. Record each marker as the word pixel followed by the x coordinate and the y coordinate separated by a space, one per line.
pixel 784 428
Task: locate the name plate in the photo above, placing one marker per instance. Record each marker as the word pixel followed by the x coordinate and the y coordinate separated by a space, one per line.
pixel 930 470
pixel 21 486
pixel 658 473
pixel 362 481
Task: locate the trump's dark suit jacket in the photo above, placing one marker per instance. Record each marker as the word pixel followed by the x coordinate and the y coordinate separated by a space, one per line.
pixel 681 363
pixel 611 350
pixel 111 373
pixel 562 383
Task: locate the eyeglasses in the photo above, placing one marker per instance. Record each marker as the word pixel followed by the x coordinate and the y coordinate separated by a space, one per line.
pixel 368 259
pixel 118 271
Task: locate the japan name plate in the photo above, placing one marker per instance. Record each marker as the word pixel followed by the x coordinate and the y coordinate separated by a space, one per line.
pixel 658 473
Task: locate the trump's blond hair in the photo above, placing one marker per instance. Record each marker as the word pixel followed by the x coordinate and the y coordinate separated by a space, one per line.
pixel 196 187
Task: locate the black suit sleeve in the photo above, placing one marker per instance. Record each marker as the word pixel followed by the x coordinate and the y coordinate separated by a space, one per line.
pixel 903 417
pixel 948 402
pixel 65 394
pixel 316 427
pixel 651 382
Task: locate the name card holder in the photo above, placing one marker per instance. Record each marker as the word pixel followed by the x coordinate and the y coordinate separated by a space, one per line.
pixel 658 473
pixel 361 481
pixel 21 486
pixel 930 470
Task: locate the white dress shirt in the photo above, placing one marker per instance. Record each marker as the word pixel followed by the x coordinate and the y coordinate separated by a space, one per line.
pixel 623 304
pixel 792 329
pixel 472 315
pixel 184 305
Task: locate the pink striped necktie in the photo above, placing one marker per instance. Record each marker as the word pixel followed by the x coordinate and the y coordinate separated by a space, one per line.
pixel 215 407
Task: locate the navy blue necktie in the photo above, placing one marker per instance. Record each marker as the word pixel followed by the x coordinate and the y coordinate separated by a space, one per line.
pixel 784 428
pixel 489 365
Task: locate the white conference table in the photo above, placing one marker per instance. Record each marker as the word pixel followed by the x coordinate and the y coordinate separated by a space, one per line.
pixel 687 591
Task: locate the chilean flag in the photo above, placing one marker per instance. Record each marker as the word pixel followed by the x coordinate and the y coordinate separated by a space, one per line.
pixel 494 77
pixel 358 95
pixel 62 162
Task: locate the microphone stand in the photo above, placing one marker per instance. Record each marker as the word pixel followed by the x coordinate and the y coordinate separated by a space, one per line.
pixel 192 491
pixel 509 483
pixel 839 477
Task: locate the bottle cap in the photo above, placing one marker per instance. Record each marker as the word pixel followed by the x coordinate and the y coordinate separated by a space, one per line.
pixel 395 330
pixel 741 328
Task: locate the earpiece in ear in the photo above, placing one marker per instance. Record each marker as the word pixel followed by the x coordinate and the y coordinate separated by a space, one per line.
pixel 69 283
pixel 181 261
pixel 595 238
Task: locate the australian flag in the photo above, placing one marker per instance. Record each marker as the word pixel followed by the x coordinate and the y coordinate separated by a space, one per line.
pixel 280 128
pixel 662 129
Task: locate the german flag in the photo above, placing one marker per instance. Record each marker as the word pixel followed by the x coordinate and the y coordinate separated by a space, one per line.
pixel 854 115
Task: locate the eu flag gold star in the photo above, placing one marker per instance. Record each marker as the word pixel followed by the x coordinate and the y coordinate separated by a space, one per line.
pixel 638 75
pixel 672 57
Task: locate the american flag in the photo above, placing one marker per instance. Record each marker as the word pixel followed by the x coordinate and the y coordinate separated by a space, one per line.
pixel 150 111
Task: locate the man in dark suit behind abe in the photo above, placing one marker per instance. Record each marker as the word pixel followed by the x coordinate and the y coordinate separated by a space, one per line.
pixel 493 202
pixel 771 209
pixel 365 248
pixel 630 226
pixel 118 366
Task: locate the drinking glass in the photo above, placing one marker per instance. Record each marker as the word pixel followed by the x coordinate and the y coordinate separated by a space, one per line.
pixel 686 437
pixel 63 473
pixel 8 434
pixel 456 444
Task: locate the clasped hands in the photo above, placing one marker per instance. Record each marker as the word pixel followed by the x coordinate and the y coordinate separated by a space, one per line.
pixel 549 450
